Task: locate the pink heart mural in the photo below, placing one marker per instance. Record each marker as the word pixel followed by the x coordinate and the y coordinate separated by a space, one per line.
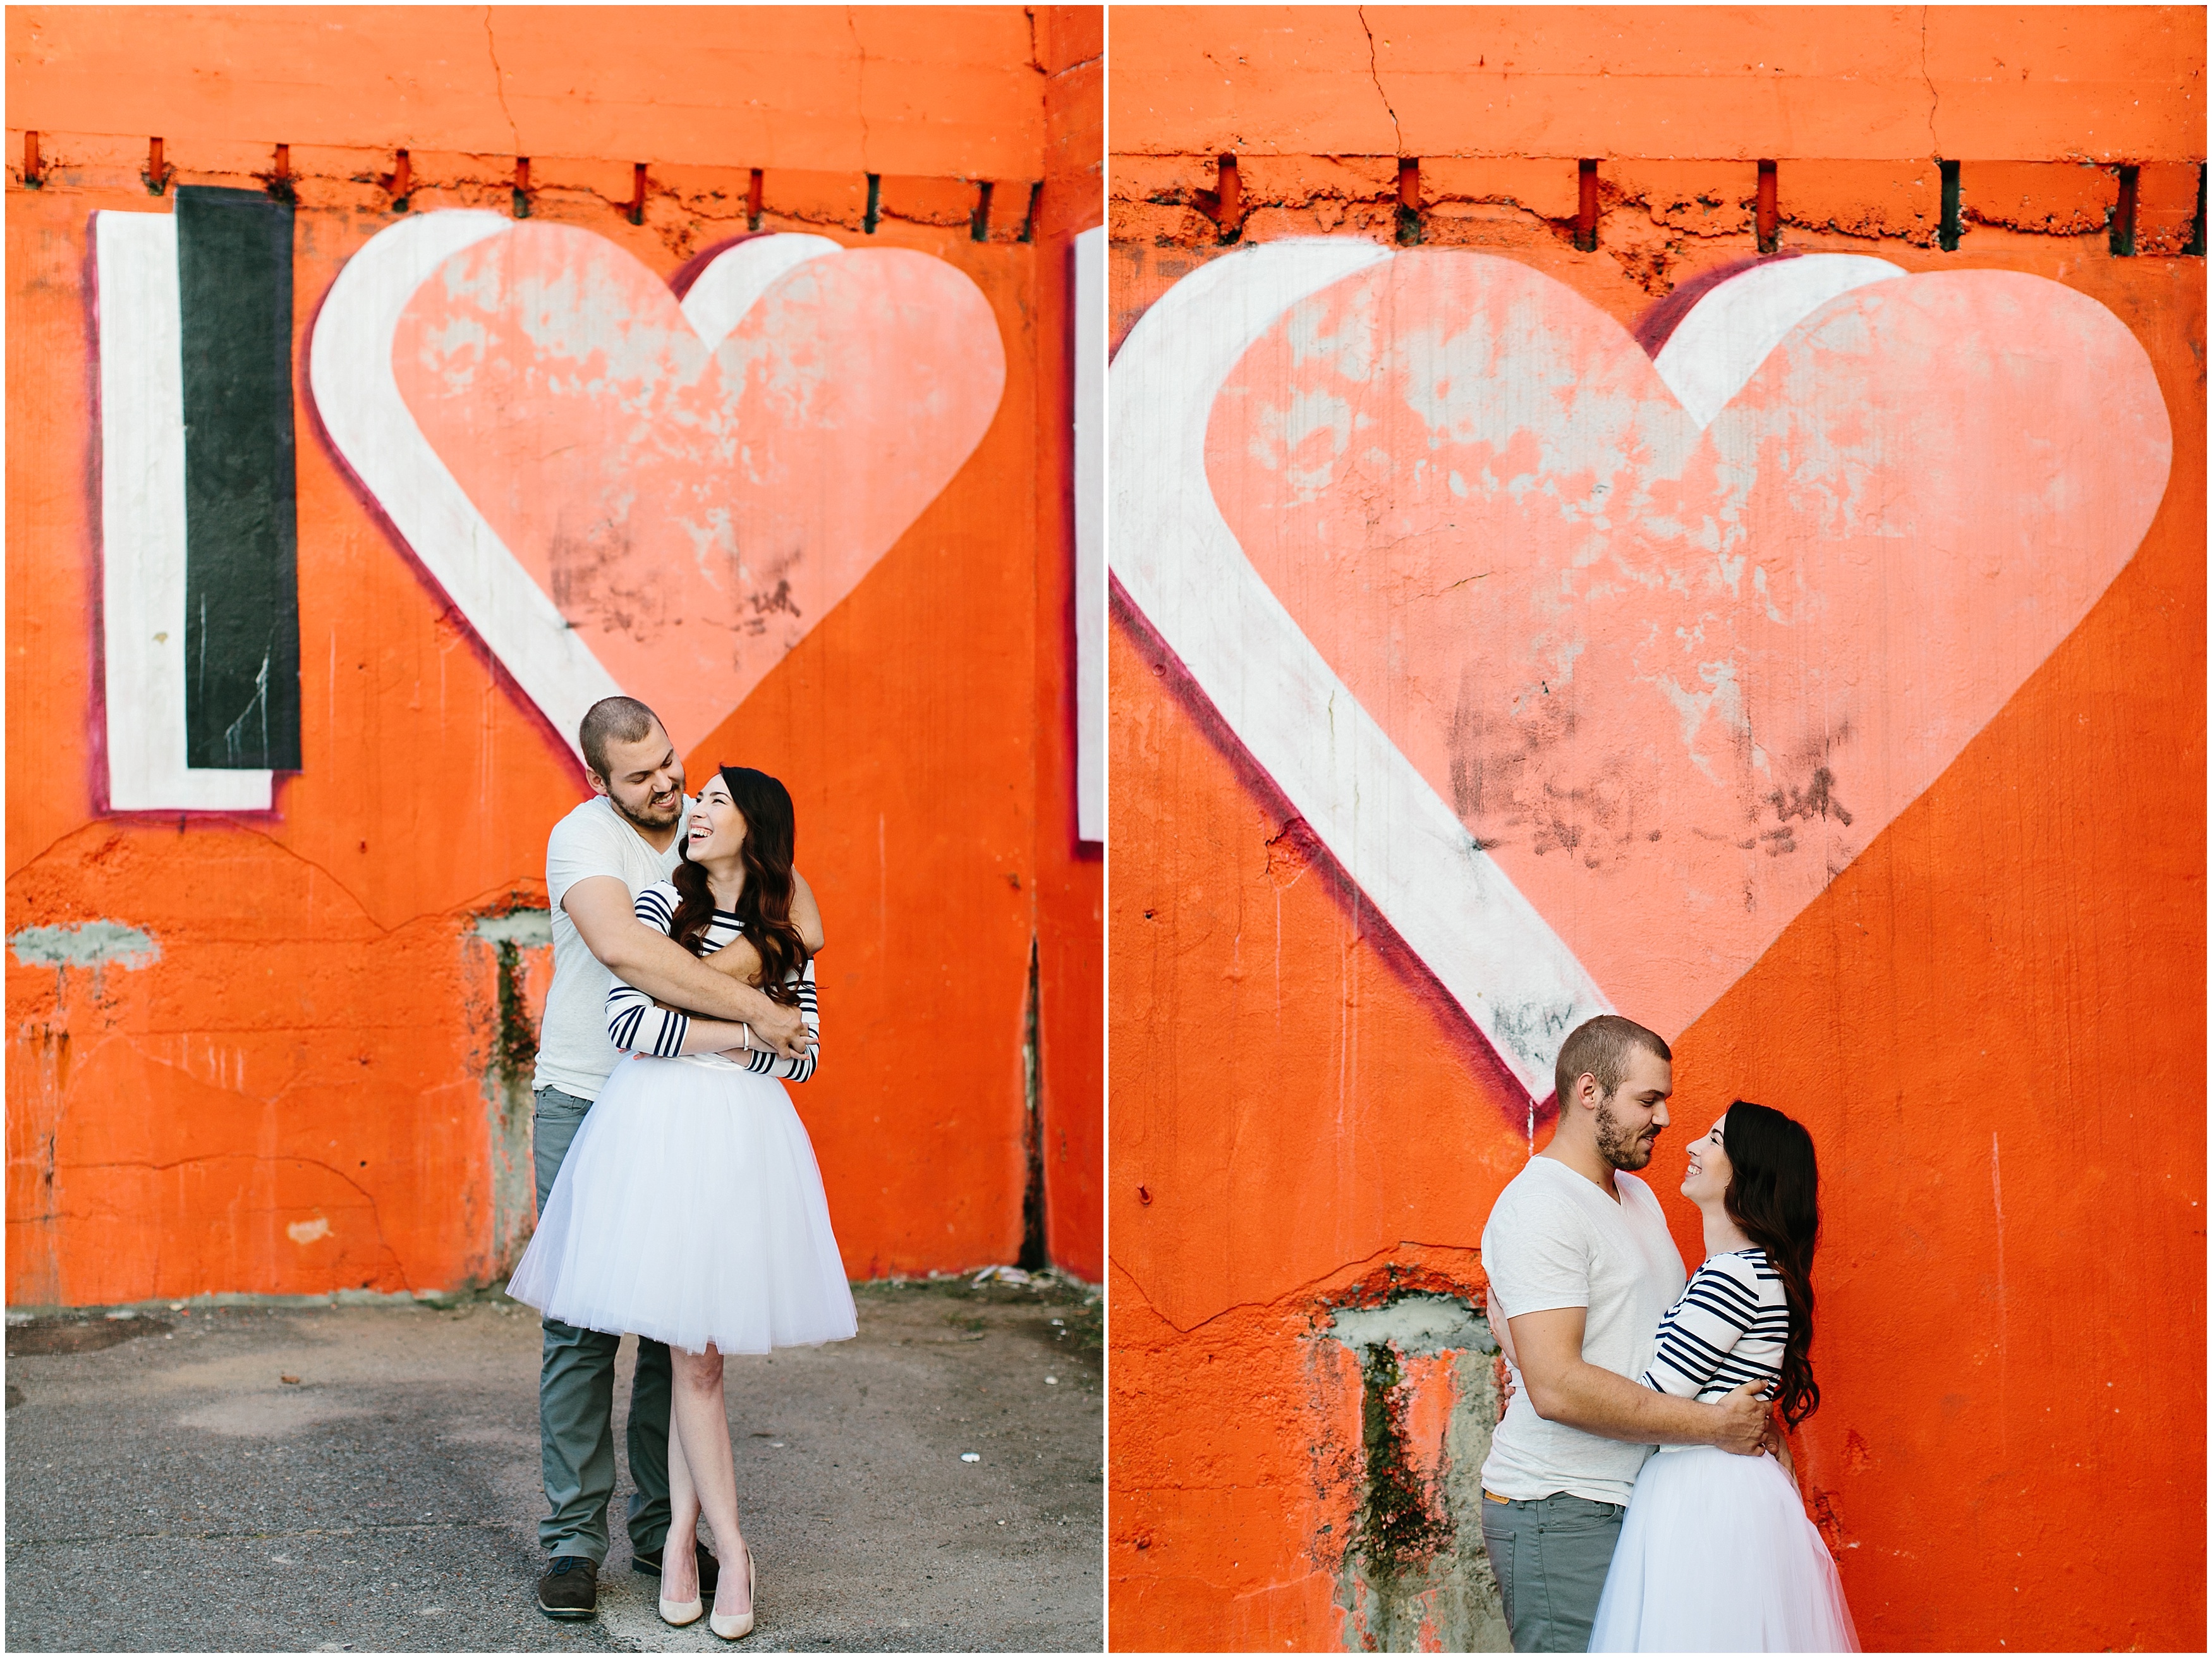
pixel 625 490
pixel 1666 677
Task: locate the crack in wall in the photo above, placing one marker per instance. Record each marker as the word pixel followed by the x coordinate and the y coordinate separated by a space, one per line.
pixel 506 1076
pixel 1934 147
pixel 367 917
pixel 1034 1257
pixel 499 81
pixel 1375 74
pixel 861 86
pixel 1342 1300
pixel 376 1213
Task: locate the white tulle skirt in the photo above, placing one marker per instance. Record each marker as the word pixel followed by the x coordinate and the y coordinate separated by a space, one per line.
pixel 689 1209
pixel 1716 1555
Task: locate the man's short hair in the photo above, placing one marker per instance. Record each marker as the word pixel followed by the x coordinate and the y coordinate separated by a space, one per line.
pixel 612 720
pixel 1601 1046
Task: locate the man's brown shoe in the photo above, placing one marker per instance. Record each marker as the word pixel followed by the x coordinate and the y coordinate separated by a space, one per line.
pixel 570 1588
pixel 710 1569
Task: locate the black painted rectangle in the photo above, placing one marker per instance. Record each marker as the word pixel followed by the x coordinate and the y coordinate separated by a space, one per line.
pixel 241 528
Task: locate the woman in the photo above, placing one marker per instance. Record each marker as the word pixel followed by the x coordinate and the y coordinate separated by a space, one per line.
pixel 1715 1553
pixel 690 1208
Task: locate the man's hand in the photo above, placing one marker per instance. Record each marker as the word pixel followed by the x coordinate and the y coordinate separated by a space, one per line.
pixel 1742 1431
pixel 783 1029
pixel 1777 1445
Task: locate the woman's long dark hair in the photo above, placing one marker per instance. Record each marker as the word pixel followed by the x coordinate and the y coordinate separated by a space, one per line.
pixel 1775 1196
pixel 764 904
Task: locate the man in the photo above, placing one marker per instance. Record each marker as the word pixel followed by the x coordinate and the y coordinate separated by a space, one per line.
pixel 597 858
pixel 1581 1267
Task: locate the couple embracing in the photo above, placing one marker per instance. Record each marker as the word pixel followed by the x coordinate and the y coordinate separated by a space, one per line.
pixel 1636 1497
pixel 677 1194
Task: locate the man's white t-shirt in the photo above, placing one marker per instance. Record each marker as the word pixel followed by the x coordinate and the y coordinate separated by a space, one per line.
pixel 573 1053
pixel 1554 1240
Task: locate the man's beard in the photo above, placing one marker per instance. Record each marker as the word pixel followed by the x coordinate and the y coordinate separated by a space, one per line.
pixel 1619 1148
pixel 646 822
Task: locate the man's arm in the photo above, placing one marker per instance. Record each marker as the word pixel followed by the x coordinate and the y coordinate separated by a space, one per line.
pixel 1562 1387
pixel 656 964
pixel 806 914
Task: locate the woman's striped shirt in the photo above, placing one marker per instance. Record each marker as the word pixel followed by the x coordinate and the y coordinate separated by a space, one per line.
pixel 1730 1328
pixel 637 1026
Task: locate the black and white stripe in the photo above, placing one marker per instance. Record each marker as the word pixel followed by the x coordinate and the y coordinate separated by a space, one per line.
pixel 637 1026
pixel 1730 1326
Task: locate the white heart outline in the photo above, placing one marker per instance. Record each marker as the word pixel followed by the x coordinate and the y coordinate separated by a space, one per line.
pixel 1735 326
pixel 357 397
pixel 1182 567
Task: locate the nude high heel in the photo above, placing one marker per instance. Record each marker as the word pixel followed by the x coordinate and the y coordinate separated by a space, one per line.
pixel 680 1612
pixel 738 1625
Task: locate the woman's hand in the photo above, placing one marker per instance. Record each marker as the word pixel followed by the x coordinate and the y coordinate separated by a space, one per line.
pixel 744 1053
pixel 750 1042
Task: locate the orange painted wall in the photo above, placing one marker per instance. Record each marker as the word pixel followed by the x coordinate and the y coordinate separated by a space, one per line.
pixel 2122 83
pixel 1992 1019
pixel 318 1040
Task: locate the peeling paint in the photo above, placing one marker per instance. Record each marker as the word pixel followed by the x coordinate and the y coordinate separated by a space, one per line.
pixel 1616 538
pixel 509 1100
pixel 592 421
pixel 1419 1323
pixel 88 943
pixel 1414 1575
pixel 529 928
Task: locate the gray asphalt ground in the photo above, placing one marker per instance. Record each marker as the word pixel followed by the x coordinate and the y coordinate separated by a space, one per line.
pixel 169 1489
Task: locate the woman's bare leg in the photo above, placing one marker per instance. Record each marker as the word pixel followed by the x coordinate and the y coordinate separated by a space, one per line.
pixel 700 1420
pixel 679 1565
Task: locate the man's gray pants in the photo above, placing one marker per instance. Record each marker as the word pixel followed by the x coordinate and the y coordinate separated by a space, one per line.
pixel 1551 1555
pixel 576 1399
